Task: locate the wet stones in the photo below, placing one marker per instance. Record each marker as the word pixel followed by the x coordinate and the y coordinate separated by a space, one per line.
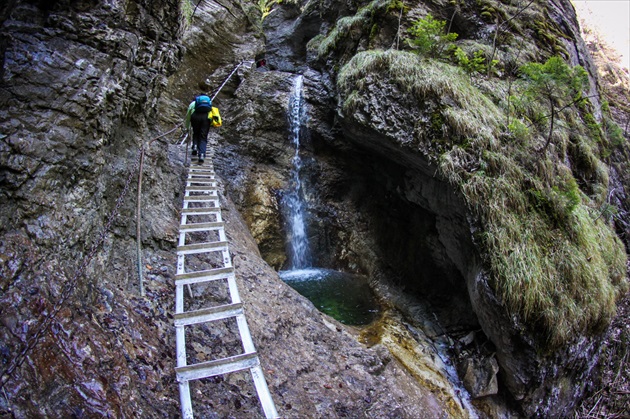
pixel 480 376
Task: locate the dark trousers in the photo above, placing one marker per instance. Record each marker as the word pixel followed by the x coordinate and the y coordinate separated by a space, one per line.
pixel 200 125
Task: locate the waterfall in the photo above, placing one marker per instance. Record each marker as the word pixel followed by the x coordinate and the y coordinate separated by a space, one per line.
pixel 348 298
pixel 299 253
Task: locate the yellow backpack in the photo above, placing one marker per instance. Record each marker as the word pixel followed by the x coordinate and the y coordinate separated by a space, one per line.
pixel 215 117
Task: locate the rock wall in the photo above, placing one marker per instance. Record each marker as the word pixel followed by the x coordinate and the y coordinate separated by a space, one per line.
pixel 79 101
pixel 80 84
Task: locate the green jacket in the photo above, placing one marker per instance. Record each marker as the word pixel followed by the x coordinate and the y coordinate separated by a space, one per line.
pixel 191 109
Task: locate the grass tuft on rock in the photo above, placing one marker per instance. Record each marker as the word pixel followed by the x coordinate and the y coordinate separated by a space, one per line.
pixel 427 78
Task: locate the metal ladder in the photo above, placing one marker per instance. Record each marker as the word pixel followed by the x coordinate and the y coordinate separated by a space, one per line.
pixel 201 206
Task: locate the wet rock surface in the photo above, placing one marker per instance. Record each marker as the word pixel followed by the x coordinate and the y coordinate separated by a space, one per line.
pixel 330 372
pixel 103 353
pixel 80 80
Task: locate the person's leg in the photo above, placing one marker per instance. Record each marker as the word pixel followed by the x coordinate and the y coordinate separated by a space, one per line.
pixel 203 143
pixel 197 121
pixel 204 128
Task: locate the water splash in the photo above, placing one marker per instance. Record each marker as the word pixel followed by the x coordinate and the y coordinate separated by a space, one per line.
pixel 299 252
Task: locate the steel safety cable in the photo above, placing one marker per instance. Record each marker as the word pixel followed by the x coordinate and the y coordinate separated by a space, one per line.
pixel 227 79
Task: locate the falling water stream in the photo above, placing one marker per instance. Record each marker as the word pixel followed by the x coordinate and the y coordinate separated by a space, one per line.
pixel 345 297
pixel 299 252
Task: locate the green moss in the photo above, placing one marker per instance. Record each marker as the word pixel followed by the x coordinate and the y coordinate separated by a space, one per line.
pixel 519 130
pixel 397 6
pixel 549 35
pixel 437 125
pixel 186 10
pixel 488 13
pixel 491 10
pixel 374 32
pixel 614 132
pixel 487 16
pixel 315 42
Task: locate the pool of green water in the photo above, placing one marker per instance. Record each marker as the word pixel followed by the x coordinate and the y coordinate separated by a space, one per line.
pixel 344 297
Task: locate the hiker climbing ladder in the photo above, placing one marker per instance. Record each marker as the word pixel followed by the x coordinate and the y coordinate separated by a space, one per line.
pixel 203 249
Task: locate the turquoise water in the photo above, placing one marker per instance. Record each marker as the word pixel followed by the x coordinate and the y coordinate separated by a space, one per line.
pixel 344 297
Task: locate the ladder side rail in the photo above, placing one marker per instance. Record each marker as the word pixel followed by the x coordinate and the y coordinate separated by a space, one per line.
pixel 264 395
pixel 184 397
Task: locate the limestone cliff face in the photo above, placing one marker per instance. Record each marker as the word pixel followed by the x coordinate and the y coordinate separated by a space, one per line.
pixel 80 82
pixel 80 92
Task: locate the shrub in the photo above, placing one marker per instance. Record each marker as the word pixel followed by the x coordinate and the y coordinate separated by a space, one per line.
pixel 518 129
pixel 556 85
pixel 475 64
pixel 429 38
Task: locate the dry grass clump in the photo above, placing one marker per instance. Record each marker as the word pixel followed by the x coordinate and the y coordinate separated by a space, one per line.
pixel 566 282
pixel 426 78
pixel 553 261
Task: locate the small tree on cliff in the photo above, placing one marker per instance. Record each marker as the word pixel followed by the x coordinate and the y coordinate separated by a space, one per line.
pixel 554 84
pixel 429 37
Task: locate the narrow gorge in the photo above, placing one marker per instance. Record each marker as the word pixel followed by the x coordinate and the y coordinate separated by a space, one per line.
pixel 420 226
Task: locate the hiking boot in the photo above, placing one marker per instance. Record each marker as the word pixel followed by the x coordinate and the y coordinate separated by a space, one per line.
pixel 201 158
pixel 194 151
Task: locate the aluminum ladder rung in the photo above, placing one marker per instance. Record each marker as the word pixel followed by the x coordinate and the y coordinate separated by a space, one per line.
pixel 203 193
pixel 201 179
pixel 203 276
pixel 208 314
pixel 209 175
pixel 200 169
pixel 217 367
pixel 201 198
pixel 204 180
pixel 206 184
pixel 202 176
pixel 201 211
pixel 189 249
pixel 202 188
pixel 187 228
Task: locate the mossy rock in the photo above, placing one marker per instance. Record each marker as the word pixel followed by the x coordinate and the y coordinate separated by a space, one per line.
pixel 551 260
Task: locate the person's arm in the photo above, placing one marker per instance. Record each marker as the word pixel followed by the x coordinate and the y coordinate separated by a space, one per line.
pixel 191 109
